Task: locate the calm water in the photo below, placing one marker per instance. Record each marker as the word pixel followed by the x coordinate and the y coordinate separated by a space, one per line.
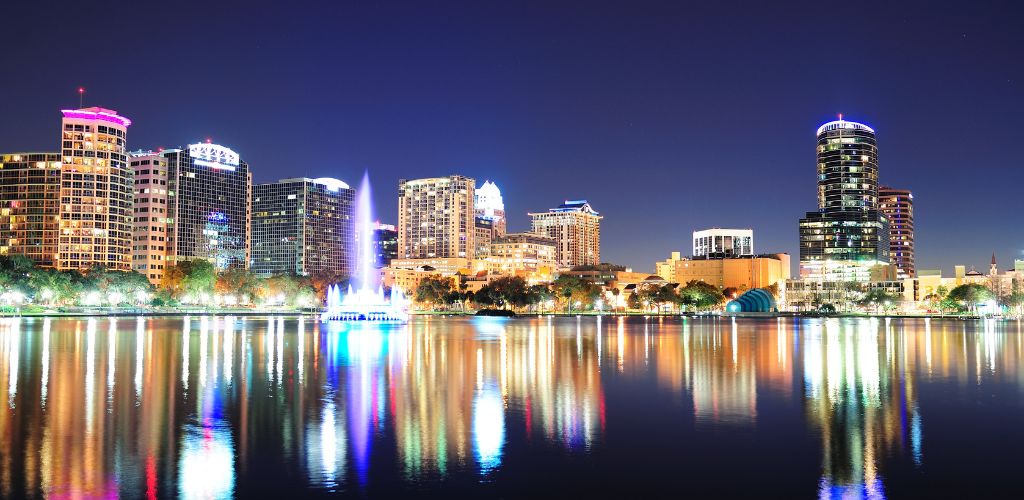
pixel 215 407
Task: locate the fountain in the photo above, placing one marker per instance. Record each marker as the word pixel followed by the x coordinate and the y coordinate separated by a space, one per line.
pixel 369 302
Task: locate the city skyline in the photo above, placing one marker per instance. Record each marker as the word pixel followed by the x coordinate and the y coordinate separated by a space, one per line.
pixel 655 144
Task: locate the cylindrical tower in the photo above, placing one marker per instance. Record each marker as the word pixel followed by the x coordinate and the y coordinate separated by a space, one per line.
pixel 847 167
pixel 96 190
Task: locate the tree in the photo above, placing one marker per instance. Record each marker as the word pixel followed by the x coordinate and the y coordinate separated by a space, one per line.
pixel 190 280
pixel 701 295
pixel 433 290
pixel 969 295
pixel 323 280
pixel 877 298
pixel 238 282
pixel 14 273
pixel 50 286
pixel 504 292
pixel 573 289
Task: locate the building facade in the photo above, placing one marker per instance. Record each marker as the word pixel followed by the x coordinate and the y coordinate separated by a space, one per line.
pixel 848 235
pixel 483 234
pixel 209 205
pixel 529 253
pixel 303 226
pixel 385 244
pixel 898 207
pixel 718 242
pixel 30 206
pixel 489 204
pixel 436 218
pixel 576 228
pixel 743 273
pixel 96 191
pixel 150 226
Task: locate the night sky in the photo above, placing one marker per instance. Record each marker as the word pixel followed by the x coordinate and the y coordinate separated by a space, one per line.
pixel 667 116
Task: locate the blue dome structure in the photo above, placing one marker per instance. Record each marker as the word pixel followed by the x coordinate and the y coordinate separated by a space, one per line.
pixel 757 300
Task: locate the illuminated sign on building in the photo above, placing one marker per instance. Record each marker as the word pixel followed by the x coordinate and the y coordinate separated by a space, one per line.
pixel 213 156
pixel 219 217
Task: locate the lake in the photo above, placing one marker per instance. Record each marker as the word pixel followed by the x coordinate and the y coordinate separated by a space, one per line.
pixel 489 407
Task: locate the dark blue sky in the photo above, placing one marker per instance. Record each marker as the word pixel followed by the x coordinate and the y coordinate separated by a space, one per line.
pixel 667 116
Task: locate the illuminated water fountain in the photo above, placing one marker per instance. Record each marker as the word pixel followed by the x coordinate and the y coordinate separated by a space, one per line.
pixel 368 302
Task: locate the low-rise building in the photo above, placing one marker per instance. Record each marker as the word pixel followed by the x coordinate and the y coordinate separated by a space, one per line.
pixel 742 273
pixel 522 253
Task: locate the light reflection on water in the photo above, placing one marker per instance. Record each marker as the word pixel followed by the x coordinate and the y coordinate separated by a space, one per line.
pixel 221 406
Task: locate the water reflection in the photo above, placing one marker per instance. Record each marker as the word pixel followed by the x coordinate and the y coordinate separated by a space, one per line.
pixel 221 406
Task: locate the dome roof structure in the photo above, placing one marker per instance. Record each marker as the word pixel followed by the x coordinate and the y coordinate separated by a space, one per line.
pixel 756 300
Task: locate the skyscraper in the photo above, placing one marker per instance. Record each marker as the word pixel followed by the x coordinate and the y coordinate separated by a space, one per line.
pixel 436 217
pixel 96 191
pixel 490 205
pixel 209 205
pixel 489 208
pixel 848 235
pixel 898 207
pixel 303 226
pixel 30 206
pixel 385 244
pixel 576 228
pixel 150 235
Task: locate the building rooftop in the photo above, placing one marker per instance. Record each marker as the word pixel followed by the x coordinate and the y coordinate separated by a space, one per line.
pixel 575 206
pixel 843 124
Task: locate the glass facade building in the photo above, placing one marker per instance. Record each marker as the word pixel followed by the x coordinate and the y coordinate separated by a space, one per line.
pixel 385 244
pixel 209 192
pixel 30 206
pixel 848 235
pixel 303 226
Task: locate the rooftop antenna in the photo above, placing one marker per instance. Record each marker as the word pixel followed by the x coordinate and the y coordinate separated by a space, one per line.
pixel 81 95
pixel 840 117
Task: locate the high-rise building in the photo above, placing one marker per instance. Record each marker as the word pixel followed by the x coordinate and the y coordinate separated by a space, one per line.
pixel 848 235
pixel 30 206
pixel 150 235
pixel 490 205
pixel 483 235
pixel 436 218
pixel 576 228
pixel 898 207
pixel 718 243
pixel 209 212
pixel 385 244
pixel 96 190
pixel 303 226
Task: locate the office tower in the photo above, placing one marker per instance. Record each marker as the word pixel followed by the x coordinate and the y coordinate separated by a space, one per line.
pixel 209 205
pixel 96 191
pixel 898 207
pixel 436 218
pixel 576 228
pixel 30 206
pixel 489 205
pixel 303 226
pixel 718 243
pixel 385 244
pixel 150 235
pixel 483 234
pixel 848 235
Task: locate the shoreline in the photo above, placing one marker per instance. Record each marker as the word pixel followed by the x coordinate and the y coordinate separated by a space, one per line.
pixel 316 313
